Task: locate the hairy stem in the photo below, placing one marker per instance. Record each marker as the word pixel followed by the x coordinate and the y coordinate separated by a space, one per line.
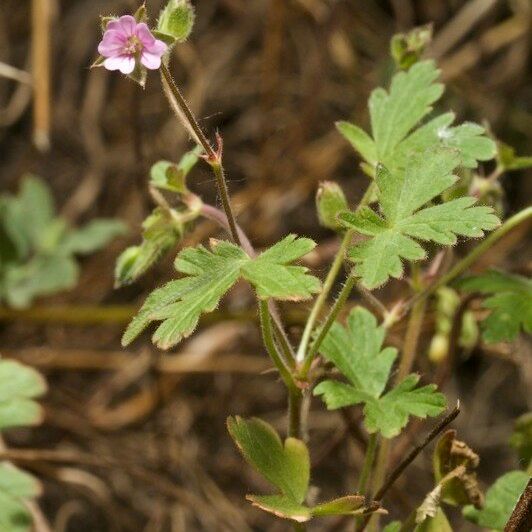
pixel 333 314
pixel 269 342
pixel 322 297
pixel 369 459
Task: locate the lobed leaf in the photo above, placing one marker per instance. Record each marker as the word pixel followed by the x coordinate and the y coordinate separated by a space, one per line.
pixel 357 353
pixel 401 197
pixel 510 301
pixel 92 237
pixel 210 274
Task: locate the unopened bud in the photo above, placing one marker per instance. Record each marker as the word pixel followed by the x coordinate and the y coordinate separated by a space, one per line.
pixel 177 19
pixel 330 201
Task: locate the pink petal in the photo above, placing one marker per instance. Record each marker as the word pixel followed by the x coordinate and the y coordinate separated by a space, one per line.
pixel 156 48
pixel 126 24
pixel 144 34
pixel 150 61
pixel 124 63
pixel 112 43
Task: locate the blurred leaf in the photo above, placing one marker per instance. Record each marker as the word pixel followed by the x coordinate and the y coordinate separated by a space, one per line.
pixel 44 275
pixel 356 352
pixel 281 506
pixel 521 439
pixel 330 201
pixel 501 499
pixel 394 526
pixel 19 385
pixel 438 523
pixel 92 237
pixel 430 506
pixel 508 160
pixel 286 466
pixel 401 195
pixel 177 19
pixel 349 505
pixel 510 302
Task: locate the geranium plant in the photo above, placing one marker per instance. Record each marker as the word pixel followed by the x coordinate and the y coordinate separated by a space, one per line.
pixel 425 195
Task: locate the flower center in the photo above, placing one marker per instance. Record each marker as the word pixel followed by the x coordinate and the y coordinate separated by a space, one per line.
pixel 133 45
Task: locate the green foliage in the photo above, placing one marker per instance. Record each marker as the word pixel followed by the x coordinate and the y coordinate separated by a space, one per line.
pixel 171 176
pixel 436 523
pixel 357 353
pixel 19 386
pixel 510 302
pixel 521 439
pixel 501 499
pixel 401 198
pixel 176 21
pixel 407 48
pixel 507 159
pixel 161 233
pixel 287 467
pixel 395 115
pixel 330 201
pixel 210 274
pixel 37 249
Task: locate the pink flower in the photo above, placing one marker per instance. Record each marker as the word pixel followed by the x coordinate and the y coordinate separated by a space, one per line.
pixel 125 42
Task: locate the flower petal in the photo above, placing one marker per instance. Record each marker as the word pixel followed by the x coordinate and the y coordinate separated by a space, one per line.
pixel 112 44
pixel 144 34
pixel 157 48
pixel 124 63
pixel 150 61
pixel 126 24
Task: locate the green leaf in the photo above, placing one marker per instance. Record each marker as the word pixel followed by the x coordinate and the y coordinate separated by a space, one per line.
pixel 286 466
pixel 44 275
pixel 177 19
pixel 508 160
pixel 394 526
pixel 396 114
pixel 92 237
pixel 161 233
pixel 170 176
pixel 521 439
pixel 18 483
pixel 501 499
pixel 14 515
pixel 401 198
pixel 281 506
pixel 273 277
pixel 357 353
pixel 510 302
pixel 438 523
pixel 349 505
pixel 210 274
pixel 19 386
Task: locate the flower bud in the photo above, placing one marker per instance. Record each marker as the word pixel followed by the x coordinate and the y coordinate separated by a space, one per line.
pixel 439 348
pixel 330 201
pixel 177 19
pixel 407 48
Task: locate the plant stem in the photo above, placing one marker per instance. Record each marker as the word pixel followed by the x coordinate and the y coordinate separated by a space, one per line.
pixel 410 457
pixel 295 398
pixel 408 356
pixel 333 314
pixel 269 342
pixel 461 266
pixel 214 158
pixel 322 297
pixel 369 458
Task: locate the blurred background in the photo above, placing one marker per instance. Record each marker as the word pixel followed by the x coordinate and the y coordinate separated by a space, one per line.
pixel 143 433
